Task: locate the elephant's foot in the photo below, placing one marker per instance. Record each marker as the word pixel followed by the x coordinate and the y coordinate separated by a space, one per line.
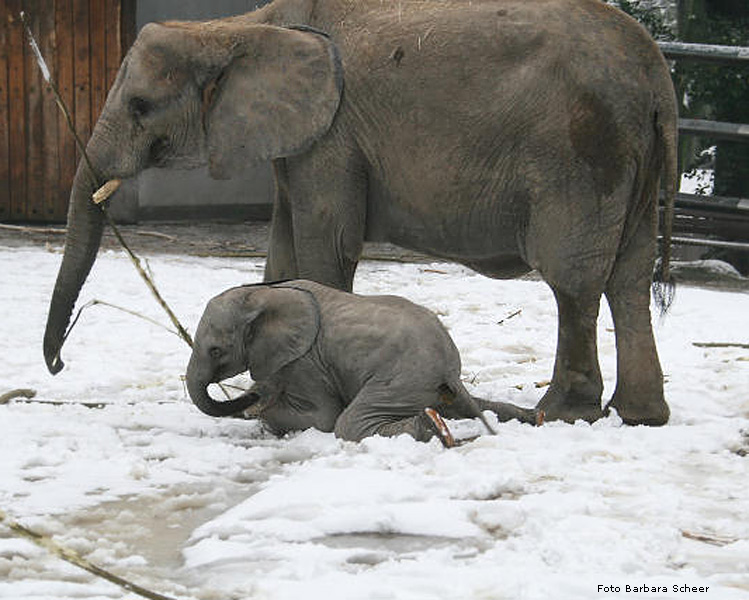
pixel 558 406
pixel 634 411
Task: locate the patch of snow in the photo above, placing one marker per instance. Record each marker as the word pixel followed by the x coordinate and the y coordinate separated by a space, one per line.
pixel 207 508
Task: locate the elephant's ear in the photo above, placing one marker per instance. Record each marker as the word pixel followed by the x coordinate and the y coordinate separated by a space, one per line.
pixel 282 326
pixel 279 94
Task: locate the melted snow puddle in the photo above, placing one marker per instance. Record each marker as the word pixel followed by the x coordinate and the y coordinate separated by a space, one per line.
pixel 375 548
pixel 149 531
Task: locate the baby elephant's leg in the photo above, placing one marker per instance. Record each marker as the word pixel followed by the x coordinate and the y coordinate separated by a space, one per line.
pixel 507 412
pixel 377 412
pixel 456 403
pixel 294 412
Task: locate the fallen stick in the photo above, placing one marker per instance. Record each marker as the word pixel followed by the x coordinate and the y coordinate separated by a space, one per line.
pixel 91 405
pixel 713 540
pixel 26 229
pixel 437 271
pixel 510 316
pixel 72 557
pixel 720 345
pixel 63 231
pixel 156 234
pixel 19 393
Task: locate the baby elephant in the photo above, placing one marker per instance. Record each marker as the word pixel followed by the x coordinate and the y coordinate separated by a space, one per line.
pixel 323 358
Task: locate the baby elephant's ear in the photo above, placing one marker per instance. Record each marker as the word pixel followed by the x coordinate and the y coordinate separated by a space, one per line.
pixel 277 96
pixel 282 327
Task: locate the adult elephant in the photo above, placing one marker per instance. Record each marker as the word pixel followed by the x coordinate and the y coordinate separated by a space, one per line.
pixel 503 134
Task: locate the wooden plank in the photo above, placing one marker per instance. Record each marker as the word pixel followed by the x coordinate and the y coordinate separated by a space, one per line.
pixel 4 122
pixel 64 75
pixel 17 112
pixel 34 120
pixel 48 46
pixel 98 54
pixel 113 39
pixel 82 70
pixel 128 29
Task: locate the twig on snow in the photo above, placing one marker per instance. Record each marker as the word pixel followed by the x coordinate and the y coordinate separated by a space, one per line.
pixel 26 229
pixel 510 316
pixel 19 393
pixel 713 540
pixel 720 345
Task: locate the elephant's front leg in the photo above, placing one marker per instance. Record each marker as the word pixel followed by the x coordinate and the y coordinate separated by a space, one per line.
pixel 281 263
pixel 327 192
pixel 292 411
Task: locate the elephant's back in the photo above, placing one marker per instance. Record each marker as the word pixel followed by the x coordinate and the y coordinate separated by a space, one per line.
pixel 386 338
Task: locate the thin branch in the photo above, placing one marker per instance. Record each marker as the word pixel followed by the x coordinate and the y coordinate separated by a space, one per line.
pixel 510 316
pixel 720 345
pixel 713 540
pixel 26 229
pixel 181 331
pixel 76 559
pixel 19 393
pixel 120 308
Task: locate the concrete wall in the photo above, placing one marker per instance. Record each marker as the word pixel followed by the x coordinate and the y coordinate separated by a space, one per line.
pixel 169 194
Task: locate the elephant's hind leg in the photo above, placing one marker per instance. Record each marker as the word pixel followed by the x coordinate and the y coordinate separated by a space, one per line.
pixel 638 397
pixel 378 411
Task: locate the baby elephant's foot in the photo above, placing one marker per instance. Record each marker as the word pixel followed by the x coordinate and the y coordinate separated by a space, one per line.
pixel 556 406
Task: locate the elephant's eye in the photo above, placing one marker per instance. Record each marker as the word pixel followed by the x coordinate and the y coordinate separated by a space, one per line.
pixel 216 353
pixel 140 107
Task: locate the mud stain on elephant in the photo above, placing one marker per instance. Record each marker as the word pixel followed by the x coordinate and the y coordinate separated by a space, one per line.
pixel 596 140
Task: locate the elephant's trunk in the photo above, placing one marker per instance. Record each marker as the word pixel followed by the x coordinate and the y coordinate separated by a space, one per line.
pixel 197 387
pixel 85 226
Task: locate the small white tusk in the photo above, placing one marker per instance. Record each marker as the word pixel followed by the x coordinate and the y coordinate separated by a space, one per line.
pixel 105 191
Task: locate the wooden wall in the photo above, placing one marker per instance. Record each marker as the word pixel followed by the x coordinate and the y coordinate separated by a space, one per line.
pixel 83 42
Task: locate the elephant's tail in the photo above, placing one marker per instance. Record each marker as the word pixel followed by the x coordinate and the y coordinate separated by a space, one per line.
pixel 667 149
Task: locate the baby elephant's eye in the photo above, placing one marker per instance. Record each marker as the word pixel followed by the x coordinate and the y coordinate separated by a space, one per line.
pixel 216 353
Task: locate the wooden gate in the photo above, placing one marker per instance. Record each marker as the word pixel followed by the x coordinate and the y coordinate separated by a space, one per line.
pixel 83 42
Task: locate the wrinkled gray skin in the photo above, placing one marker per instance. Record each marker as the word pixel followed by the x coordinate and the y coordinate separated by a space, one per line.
pixel 502 134
pixel 323 358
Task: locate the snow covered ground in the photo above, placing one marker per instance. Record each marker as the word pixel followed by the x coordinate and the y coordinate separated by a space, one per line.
pixel 195 507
